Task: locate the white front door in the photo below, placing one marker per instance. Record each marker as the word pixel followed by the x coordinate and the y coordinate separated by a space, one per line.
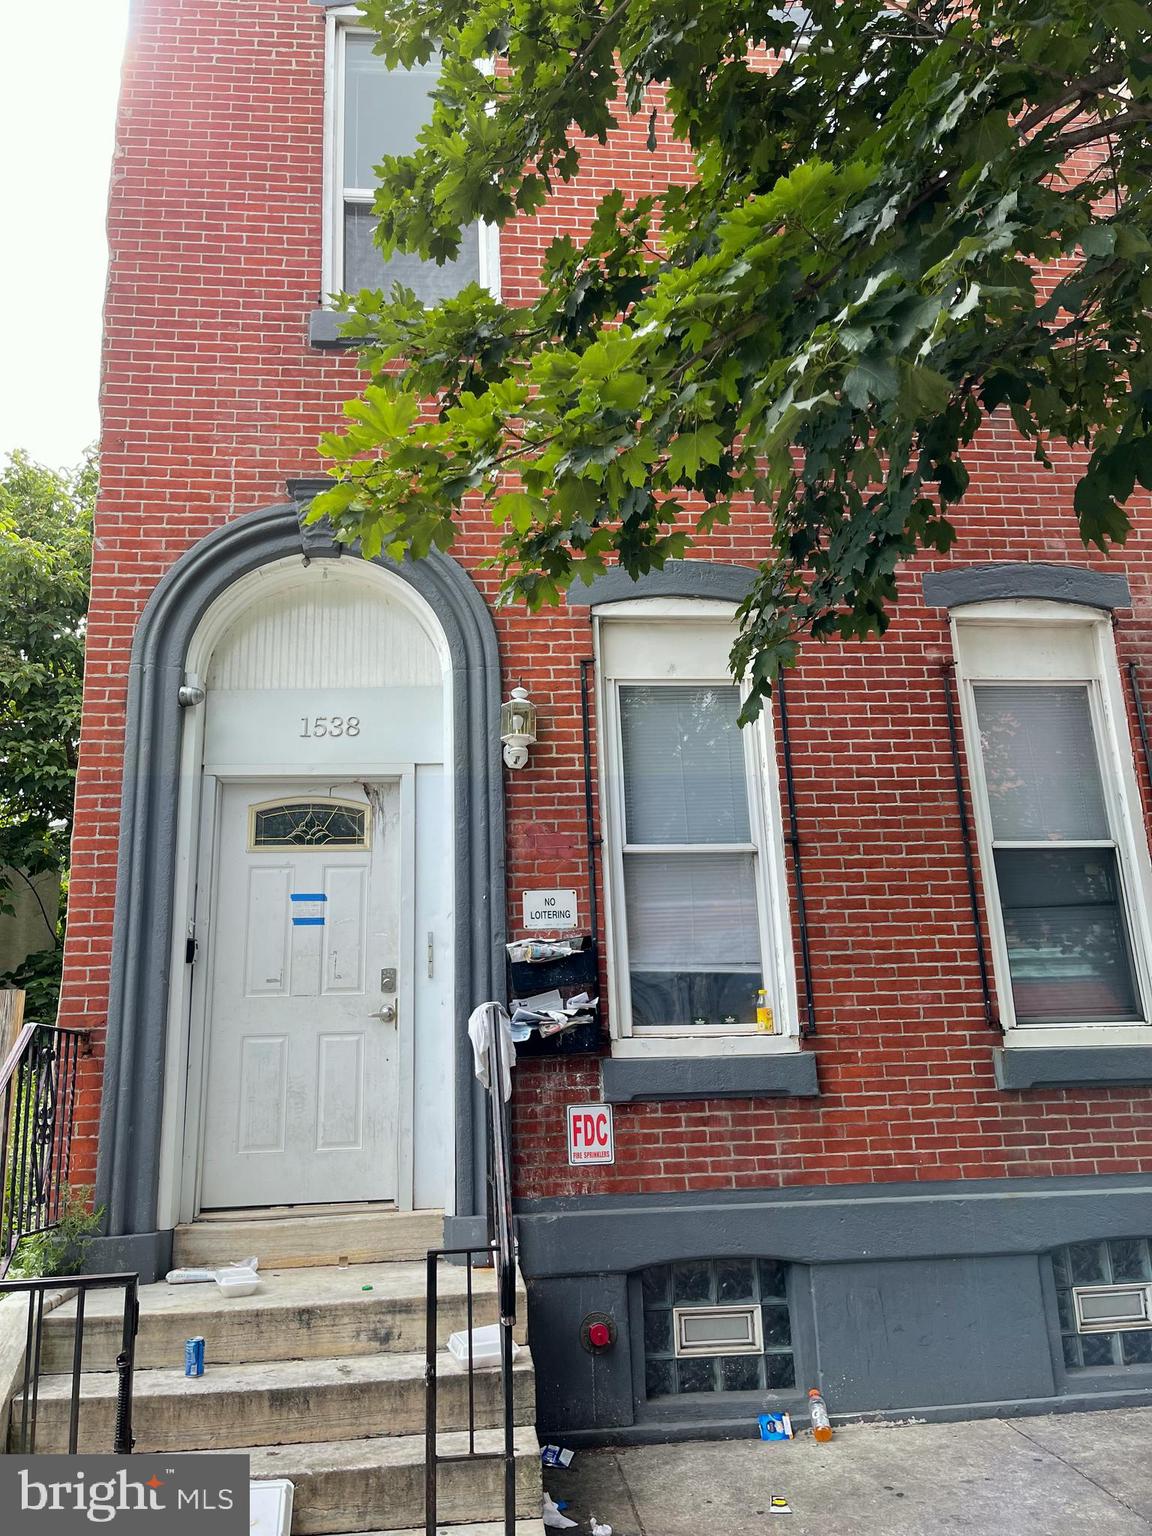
pixel 303 1076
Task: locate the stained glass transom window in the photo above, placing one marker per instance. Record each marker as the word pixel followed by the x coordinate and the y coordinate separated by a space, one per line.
pixel 1115 1262
pixel 710 1283
pixel 309 824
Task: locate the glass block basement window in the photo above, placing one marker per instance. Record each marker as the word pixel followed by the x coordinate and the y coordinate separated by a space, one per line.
pixel 710 1283
pixel 1115 1262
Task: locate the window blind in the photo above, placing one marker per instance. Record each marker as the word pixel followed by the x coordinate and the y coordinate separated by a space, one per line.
pixel 1040 764
pixel 691 911
pixel 684 774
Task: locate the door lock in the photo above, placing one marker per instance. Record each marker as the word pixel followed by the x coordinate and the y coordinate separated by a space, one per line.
pixel 386 1013
pixel 388 979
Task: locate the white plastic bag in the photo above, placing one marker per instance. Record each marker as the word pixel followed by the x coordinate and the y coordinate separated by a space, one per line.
pixel 553 1518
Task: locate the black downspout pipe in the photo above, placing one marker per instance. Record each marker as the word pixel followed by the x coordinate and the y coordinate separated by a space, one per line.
pixel 1141 718
pixel 947 669
pixel 793 839
pixel 586 664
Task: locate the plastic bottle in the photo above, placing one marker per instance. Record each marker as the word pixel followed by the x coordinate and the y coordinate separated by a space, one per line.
pixel 764 1020
pixel 821 1422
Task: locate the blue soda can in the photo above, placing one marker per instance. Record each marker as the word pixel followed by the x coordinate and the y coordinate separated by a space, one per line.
pixel 194 1357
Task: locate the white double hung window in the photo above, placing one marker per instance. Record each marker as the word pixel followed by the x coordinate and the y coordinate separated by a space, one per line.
pixel 375 111
pixel 694 869
pixel 1064 859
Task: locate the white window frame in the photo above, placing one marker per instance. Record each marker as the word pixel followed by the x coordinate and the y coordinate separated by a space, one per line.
pixel 685 1349
pixel 1030 618
pixel 767 843
pixel 1113 1324
pixel 340 22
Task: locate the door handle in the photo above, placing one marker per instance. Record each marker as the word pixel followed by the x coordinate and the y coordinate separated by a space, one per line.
pixel 386 1013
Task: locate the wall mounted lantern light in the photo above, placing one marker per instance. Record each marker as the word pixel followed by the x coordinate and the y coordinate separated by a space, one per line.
pixel 517 727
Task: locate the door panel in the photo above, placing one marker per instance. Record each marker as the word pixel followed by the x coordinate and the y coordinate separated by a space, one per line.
pixel 302 1083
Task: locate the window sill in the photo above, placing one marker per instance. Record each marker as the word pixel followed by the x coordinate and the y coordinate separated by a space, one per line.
pixel 1022 1067
pixel 325 329
pixel 765 1075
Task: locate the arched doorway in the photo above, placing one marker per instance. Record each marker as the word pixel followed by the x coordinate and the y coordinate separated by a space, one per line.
pixel 320 1039
pixel 313 727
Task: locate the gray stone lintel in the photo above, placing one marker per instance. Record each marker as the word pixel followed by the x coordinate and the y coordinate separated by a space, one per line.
pixel 1023 1067
pixel 646 1079
pixel 678 578
pixel 326 329
pixel 1026 578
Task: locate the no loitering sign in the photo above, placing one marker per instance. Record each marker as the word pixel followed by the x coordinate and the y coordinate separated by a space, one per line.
pixel 550 909
pixel 590 1138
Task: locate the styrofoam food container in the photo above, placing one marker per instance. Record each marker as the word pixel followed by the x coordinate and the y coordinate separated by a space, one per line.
pixel 271 1507
pixel 237 1282
pixel 485 1346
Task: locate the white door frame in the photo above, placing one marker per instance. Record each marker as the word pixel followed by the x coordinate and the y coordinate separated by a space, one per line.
pixel 197 793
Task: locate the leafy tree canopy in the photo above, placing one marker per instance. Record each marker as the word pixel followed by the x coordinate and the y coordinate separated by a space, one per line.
pixel 925 212
pixel 45 554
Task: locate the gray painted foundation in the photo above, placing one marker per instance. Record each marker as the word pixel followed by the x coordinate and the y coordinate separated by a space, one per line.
pixel 933 1301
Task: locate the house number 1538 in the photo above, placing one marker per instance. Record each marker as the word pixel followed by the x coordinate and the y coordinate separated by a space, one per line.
pixel 329 725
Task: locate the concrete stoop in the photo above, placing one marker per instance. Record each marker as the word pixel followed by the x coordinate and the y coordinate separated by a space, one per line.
pixel 318 1377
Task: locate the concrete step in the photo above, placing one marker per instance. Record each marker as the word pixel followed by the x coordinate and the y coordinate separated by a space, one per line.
pixel 278 1403
pixel 378 1485
pixel 486 1528
pixel 282 1239
pixel 297 1314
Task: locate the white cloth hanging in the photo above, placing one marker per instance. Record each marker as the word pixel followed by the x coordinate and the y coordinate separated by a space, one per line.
pixel 489 1028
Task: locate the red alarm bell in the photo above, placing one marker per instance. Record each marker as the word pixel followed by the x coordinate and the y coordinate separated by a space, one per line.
pixel 597 1332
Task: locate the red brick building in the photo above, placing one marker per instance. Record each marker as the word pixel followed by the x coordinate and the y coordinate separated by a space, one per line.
pixel 293 821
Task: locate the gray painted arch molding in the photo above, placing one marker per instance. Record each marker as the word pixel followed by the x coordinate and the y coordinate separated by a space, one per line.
pixel 677 578
pixel 130 1124
pixel 1026 578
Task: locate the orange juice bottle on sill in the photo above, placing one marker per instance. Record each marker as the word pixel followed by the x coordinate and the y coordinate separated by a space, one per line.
pixel 765 1023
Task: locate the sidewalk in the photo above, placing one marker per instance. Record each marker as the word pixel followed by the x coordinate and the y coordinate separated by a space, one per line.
pixel 1051 1476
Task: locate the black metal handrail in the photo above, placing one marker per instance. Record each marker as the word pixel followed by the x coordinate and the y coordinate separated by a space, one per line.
pixel 499 1252
pixel 38 1083
pixel 22 1433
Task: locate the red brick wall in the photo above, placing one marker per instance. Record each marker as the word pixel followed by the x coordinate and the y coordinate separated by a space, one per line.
pixel 211 398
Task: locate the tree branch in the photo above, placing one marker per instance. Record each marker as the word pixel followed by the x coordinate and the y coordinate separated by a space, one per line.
pixel 1080 90
pixel 1105 128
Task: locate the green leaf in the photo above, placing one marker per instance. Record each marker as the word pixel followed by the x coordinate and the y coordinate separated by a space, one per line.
pixel 690 450
pixel 519 509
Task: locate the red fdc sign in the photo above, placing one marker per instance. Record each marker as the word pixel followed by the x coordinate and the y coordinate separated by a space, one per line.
pixel 590 1137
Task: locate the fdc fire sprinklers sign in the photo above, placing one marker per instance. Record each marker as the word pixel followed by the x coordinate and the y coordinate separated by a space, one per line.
pixel 590 1138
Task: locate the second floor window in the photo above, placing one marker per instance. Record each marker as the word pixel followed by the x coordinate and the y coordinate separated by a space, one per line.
pixel 379 111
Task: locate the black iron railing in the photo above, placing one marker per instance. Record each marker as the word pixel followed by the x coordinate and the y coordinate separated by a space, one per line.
pixel 500 1253
pixel 22 1427
pixel 37 1113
